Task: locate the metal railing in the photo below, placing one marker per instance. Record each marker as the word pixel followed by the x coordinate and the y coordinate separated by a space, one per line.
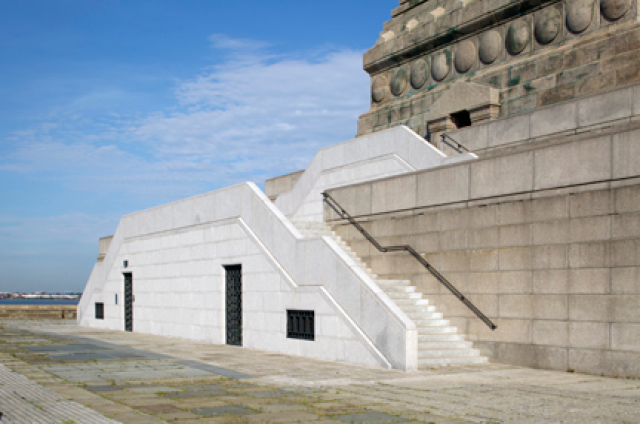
pixel 454 144
pixel 333 204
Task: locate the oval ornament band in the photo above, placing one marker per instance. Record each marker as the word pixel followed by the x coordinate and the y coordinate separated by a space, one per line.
pixel 440 66
pixel 399 81
pixel 614 9
pixel 548 24
pixel 419 73
pixel 379 89
pixel 579 15
pixel 465 56
pixel 490 47
pixel 517 37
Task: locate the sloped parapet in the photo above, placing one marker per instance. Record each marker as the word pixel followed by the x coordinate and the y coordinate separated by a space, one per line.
pixel 176 255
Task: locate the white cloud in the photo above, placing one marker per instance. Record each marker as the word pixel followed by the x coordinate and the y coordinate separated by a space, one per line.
pixel 249 117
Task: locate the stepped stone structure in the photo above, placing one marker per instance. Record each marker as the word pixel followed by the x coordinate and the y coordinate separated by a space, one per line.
pixel 537 222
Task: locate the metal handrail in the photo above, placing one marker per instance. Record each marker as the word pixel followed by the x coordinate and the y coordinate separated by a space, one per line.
pixel 333 204
pixel 456 146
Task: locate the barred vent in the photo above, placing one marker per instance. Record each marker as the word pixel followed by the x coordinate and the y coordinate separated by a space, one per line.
pixel 301 325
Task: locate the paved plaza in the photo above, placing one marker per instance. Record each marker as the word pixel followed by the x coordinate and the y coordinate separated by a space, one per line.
pixel 56 372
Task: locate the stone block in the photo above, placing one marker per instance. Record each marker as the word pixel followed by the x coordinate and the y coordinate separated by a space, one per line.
pixel 551 306
pixel 473 137
pixel 589 280
pixel 591 203
pixel 550 232
pixel 515 235
pixel 625 337
pixel 550 65
pixel 610 106
pixel 509 330
pixel 592 228
pixel 478 282
pixel 551 333
pixel 515 282
pixel 628 75
pixel 547 281
pixel 484 216
pixel 627 199
pixel 502 175
pixel 507 131
pixel 626 150
pixel 483 259
pixel 483 237
pixel 556 95
pixel 573 163
pixel 575 75
pixel 393 194
pixel 605 362
pixel 440 186
pixel 516 306
pixel 514 212
pixel 589 255
pixel 451 219
pixel 554 119
pixel 590 308
pixel 515 258
pixel 454 261
pixel 596 84
pixel 625 280
pixel 625 252
pixel 592 335
pixel 625 308
pixel 626 226
pixel 521 104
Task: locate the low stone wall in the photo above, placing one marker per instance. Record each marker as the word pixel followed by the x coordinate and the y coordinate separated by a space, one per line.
pixel 38 311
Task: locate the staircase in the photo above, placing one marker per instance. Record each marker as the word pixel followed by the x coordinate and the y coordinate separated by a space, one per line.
pixel 438 342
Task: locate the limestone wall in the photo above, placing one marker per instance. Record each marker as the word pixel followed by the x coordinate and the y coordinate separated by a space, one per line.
pixel 543 238
pixel 38 311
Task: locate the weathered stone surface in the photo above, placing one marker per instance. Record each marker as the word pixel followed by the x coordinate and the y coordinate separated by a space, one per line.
pixel 399 81
pixel 518 36
pixel 379 89
pixel 465 56
pixel 557 94
pixel 440 65
pixel 490 46
pixel 614 9
pixel 419 73
pixel 579 15
pixel 547 25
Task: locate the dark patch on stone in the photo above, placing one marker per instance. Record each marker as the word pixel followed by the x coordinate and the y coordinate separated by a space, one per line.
pixel 223 410
pixel 160 409
pixel 369 417
pixel 97 389
pixel 556 95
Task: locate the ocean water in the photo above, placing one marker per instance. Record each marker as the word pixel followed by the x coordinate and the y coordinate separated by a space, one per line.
pixel 38 302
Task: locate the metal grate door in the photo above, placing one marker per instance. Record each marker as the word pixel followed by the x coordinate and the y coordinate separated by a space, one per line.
pixel 234 304
pixel 128 302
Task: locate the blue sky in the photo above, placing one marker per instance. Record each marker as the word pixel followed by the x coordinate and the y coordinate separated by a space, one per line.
pixel 109 107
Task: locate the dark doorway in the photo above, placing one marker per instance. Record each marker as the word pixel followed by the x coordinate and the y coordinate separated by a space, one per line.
pixel 461 119
pixel 128 302
pixel 234 304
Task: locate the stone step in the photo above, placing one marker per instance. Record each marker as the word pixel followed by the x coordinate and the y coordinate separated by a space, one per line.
pixel 417 308
pixel 429 330
pixel 440 337
pixel 457 360
pixel 431 322
pixel 400 295
pixel 411 302
pixel 405 289
pixel 447 353
pixel 444 344
pixel 421 315
pixel 394 283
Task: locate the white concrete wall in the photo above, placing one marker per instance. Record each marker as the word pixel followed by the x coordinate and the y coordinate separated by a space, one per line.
pixel 386 153
pixel 176 254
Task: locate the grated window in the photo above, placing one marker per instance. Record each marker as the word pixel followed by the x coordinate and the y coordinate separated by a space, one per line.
pixel 301 324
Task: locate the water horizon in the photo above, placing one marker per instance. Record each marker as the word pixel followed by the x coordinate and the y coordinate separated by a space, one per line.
pixel 39 301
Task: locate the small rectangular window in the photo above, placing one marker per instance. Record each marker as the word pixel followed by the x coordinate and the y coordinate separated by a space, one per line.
pixel 99 310
pixel 301 324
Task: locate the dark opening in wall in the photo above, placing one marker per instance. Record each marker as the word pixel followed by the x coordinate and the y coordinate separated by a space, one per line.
pixel 301 325
pixel 99 310
pixel 461 119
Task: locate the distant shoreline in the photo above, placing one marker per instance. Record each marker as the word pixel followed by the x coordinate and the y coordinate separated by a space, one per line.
pixel 38 301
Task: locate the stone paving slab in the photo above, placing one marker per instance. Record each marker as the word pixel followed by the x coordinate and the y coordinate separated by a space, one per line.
pixel 283 388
